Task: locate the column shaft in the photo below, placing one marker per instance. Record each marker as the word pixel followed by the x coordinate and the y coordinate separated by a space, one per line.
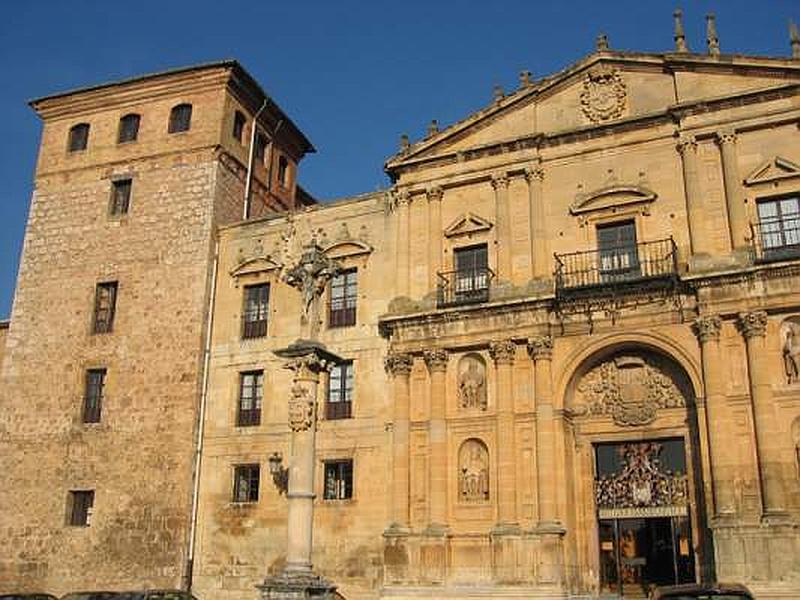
pixel 694 201
pixel 403 246
pixel 737 216
pixel 503 354
pixel 399 365
pixel 436 361
pixel 435 234
pixel 540 262
pixel 503 218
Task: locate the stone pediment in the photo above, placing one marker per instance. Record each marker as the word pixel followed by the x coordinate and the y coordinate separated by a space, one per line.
pixel 772 170
pixel 255 264
pixel 467 224
pixel 347 248
pixel 611 197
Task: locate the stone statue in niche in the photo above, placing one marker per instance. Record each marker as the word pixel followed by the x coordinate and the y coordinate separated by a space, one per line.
pixel 473 472
pixel 791 349
pixel 472 383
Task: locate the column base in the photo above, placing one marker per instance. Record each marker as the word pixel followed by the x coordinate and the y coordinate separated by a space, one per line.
pixel 436 530
pixel 296 585
pixel 501 529
pixel 550 528
pixel 776 517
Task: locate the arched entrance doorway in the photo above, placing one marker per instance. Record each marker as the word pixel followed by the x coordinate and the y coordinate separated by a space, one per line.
pixel 632 410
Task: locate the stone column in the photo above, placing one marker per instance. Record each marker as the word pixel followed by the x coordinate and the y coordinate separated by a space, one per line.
pixel 687 146
pixel 434 195
pixel 723 462
pixel 436 361
pixel 548 477
pixel 737 216
pixel 540 262
pixel 403 201
pixel 753 326
pixel 399 366
pixel 503 220
pixel 502 352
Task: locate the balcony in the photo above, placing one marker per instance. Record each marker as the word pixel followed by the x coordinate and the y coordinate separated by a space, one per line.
pixel 776 239
pixel 470 286
pixel 615 267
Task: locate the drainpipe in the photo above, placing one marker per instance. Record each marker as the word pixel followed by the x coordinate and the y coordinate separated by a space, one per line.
pixel 250 158
pixel 198 452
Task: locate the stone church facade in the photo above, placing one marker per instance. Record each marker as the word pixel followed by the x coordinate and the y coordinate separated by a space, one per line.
pixel 571 332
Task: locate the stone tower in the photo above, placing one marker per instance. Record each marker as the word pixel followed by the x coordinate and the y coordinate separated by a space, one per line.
pixel 103 370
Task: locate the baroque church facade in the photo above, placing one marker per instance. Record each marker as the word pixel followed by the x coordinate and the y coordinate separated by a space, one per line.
pixel 570 332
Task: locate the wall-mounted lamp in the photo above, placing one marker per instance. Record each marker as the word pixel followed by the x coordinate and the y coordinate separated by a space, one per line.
pixel 280 474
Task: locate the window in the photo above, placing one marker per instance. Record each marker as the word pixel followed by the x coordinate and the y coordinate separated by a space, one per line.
pixel 180 119
pixel 239 121
pixel 338 480
pixel 105 301
pixel 472 273
pixel 343 299
pixel 779 225
pixel 246 479
pixel 618 255
pixel 261 148
pixel 256 310
pixel 251 392
pixel 120 197
pixel 283 171
pixel 78 137
pixel 81 503
pixel 340 391
pixel 93 395
pixel 128 128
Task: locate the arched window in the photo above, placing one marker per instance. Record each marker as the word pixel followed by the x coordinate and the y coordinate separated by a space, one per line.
pixel 283 171
pixel 78 137
pixel 180 119
pixel 128 128
pixel 261 147
pixel 473 471
pixel 239 121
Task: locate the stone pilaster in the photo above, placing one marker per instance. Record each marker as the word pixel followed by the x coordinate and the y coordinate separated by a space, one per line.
pixel 687 146
pixel 436 361
pixel 434 195
pixel 403 245
pixel 540 261
pixel 734 201
pixel 503 352
pixel 399 367
pixel 503 223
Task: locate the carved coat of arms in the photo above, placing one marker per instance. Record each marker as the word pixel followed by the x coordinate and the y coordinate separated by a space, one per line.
pixel 301 409
pixel 604 95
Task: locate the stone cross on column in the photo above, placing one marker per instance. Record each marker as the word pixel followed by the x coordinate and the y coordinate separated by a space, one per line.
pixel 310 276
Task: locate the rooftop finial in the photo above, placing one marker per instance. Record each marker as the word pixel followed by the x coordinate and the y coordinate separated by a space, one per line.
pixel 680 34
pixel 794 39
pixel 433 128
pixel 498 92
pixel 711 35
pixel 525 79
pixel 404 143
pixel 601 43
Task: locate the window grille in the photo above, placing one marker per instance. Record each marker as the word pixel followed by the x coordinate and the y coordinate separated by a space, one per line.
pixel 251 393
pixel 246 480
pixel 256 311
pixel 340 391
pixel 180 119
pixel 128 128
pixel 104 307
pixel 343 299
pixel 338 480
pixel 120 197
pixel 93 395
pixel 78 137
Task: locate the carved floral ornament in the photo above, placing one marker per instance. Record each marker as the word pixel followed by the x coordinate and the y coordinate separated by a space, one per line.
pixel 540 347
pixel 604 95
pixel 436 359
pixel 397 364
pixel 502 351
pixel 707 328
pixel 629 388
pixel 753 324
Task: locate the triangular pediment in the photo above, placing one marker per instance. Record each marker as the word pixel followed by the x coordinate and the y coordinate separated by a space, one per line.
pixel 611 197
pixel 255 264
pixel 467 224
pixel 772 170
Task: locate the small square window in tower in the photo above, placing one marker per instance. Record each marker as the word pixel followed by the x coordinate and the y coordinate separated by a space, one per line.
pixel 80 507
pixel 251 394
pixel 340 391
pixel 128 128
pixel 180 118
pixel 343 299
pixel 105 303
pixel 246 481
pixel 256 311
pixel 120 197
pixel 338 480
pixel 93 395
pixel 78 137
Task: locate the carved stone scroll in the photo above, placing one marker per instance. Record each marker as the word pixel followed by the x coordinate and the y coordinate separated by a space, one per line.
pixel 473 472
pixel 472 383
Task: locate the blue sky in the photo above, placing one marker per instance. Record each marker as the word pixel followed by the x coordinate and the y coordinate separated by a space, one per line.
pixel 353 75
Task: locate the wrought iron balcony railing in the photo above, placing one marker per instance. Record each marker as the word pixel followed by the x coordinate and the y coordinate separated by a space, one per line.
pixel 624 264
pixel 466 286
pixel 776 239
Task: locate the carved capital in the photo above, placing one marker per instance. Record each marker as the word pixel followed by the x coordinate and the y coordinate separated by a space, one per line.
pixel 397 364
pixel 534 174
pixel 434 193
pixel 707 328
pixel 502 351
pixel 726 137
pixel 753 324
pixel 308 366
pixel 686 143
pixel 436 359
pixel 499 181
pixel 401 197
pixel 540 347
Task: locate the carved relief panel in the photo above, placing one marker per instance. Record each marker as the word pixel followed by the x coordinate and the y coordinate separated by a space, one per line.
pixel 473 472
pixel 471 390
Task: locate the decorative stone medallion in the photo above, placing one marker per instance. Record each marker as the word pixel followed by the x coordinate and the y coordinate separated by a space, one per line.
pixel 301 408
pixel 604 95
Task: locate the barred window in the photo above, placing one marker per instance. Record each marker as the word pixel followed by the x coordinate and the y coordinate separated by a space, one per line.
pixel 340 391
pixel 338 480
pixel 78 137
pixel 239 121
pixel 343 299
pixel 246 479
pixel 81 504
pixel 180 119
pixel 105 301
pixel 120 197
pixel 93 395
pixel 128 128
pixel 256 311
pixel 251 393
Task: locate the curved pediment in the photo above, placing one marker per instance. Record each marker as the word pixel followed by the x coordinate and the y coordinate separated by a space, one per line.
pixel 347 248
pixel 467 224
pixel 255 264
pixel 610 197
